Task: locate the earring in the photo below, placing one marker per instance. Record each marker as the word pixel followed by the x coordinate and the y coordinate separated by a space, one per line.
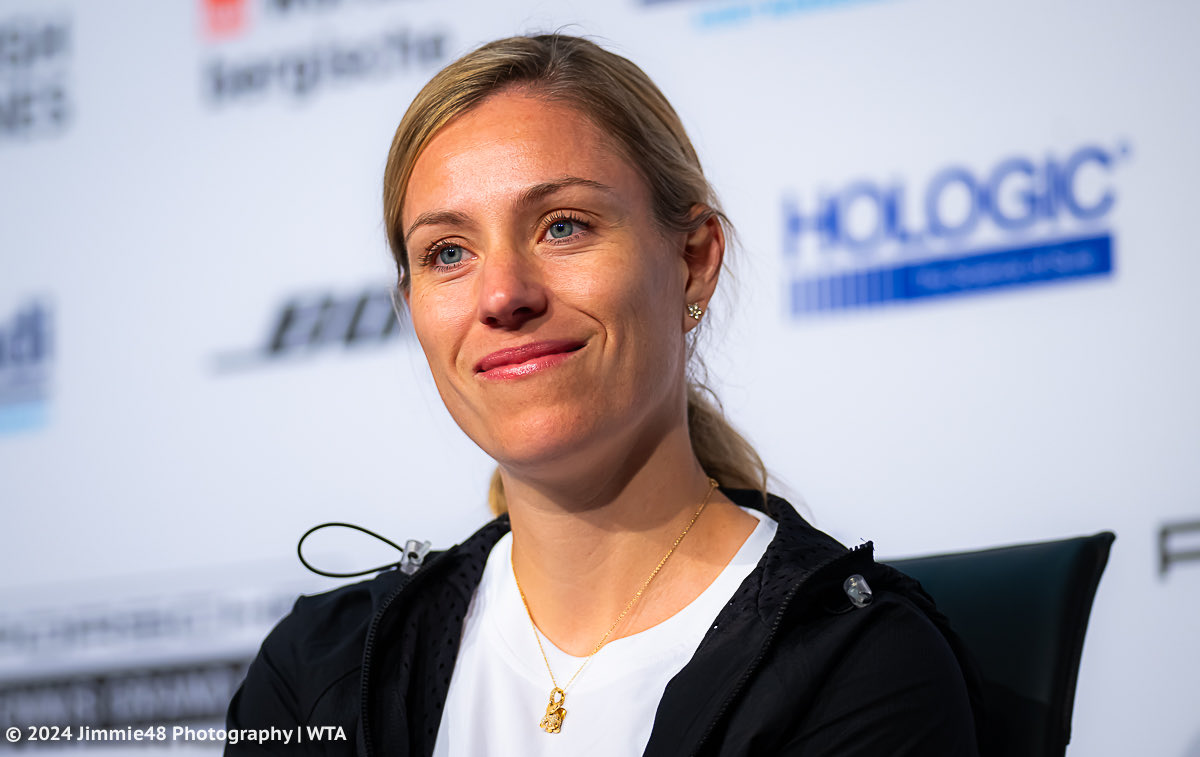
pixel 695 311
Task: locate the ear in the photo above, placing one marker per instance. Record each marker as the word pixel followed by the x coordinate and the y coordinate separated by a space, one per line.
pixel 704 251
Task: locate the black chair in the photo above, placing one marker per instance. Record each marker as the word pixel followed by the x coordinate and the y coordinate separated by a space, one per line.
pixel 1022 611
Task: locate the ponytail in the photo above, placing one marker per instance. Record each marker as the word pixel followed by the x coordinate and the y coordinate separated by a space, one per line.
pixel 624 104
pixel 724 454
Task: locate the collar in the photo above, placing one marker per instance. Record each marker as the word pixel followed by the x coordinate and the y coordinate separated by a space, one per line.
pixel 405 680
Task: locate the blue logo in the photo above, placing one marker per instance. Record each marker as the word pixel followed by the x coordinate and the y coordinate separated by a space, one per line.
pixel 712 14
pixel 25 368
pixel 1022 221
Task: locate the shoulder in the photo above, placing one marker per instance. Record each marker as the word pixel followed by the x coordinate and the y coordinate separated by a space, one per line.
pixel 326 632
pixel 881 679
pixel 309 670
pixel 308 667
pixel 804 592
pixel 846 678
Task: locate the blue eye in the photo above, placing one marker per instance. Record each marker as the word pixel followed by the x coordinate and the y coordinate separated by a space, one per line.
pixel 562 229
pixel 450 255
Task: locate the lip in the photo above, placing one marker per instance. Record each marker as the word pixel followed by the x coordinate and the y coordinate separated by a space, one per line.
pixel 525 359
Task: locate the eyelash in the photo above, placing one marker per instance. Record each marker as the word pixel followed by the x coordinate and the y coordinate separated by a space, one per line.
pixel 564 215
pixel 429 258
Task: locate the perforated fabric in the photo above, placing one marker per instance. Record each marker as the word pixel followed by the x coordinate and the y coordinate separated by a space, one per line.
pixel 789 666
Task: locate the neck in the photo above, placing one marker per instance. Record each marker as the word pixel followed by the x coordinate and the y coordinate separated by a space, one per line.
pixel 582 548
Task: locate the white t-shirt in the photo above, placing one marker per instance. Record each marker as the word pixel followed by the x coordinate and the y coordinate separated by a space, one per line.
pixel 500 687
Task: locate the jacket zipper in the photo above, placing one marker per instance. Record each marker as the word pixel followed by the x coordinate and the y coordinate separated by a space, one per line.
pixel 783 608
pixel 369 643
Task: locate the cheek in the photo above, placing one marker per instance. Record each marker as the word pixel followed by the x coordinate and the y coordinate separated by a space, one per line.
pixel 637 304
pixel 654 287
pixel 440 319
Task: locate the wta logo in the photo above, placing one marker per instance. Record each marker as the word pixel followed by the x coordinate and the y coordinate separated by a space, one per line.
pixel 1021 221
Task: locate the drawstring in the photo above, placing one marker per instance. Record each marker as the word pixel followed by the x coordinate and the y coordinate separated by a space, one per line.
pixel 412 554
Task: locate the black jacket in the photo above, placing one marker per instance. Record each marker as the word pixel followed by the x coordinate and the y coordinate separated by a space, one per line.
pixel 790 666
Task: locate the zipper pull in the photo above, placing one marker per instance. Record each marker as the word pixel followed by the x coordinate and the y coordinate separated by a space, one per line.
pixel 414 555
pixel 857 589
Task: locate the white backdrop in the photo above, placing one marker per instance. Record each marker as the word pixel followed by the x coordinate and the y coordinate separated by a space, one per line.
pixel 191 222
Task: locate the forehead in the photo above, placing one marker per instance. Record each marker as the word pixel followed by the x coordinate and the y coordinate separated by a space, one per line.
pixel 507 143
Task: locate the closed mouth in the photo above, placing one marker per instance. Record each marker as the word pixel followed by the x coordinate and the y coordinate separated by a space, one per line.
pixel 526 352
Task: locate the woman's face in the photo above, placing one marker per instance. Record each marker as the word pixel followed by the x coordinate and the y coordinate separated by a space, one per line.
pixel 550 306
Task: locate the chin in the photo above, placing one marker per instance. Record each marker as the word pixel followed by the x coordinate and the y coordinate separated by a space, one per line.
pixel 539 440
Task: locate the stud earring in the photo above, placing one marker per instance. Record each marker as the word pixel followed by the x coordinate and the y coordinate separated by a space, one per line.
pixel 695 311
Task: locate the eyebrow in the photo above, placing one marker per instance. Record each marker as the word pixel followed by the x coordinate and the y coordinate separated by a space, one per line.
pixel 434 218
pixel 545 189
pixel 530 196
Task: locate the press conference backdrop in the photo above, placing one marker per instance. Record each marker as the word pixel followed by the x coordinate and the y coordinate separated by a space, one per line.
pixel 961 312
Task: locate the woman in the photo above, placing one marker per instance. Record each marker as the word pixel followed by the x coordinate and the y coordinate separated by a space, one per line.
pixel 557 247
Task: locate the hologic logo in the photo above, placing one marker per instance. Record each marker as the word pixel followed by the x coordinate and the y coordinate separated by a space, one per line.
pixel 25 367
pixel 306 325
pixel 1023 220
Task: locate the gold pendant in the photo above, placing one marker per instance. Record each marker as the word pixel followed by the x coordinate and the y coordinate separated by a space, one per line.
pixel 555 713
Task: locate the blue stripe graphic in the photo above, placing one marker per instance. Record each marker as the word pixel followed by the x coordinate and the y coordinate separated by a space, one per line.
pixel 973 272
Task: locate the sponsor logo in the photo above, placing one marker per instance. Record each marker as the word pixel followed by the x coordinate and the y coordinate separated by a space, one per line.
pixel 312 324
pixel 327 60
pixel 292 7
pixel 1178 543
pixel 150 660
pixel 301 72
pixel 224 18
pixel 133 697
pixel 25 367
pixel 1021 221
pixel 35 67
pixel 713 14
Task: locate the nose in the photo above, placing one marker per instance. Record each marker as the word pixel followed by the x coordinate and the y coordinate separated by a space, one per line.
pixel 511 291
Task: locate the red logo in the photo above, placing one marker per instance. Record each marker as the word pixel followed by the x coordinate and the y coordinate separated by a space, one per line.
pixel 223 18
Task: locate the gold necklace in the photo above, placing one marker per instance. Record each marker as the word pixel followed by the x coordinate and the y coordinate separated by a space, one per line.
pixel 552 722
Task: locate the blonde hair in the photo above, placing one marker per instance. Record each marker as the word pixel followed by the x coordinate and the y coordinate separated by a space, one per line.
pixel 625 104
